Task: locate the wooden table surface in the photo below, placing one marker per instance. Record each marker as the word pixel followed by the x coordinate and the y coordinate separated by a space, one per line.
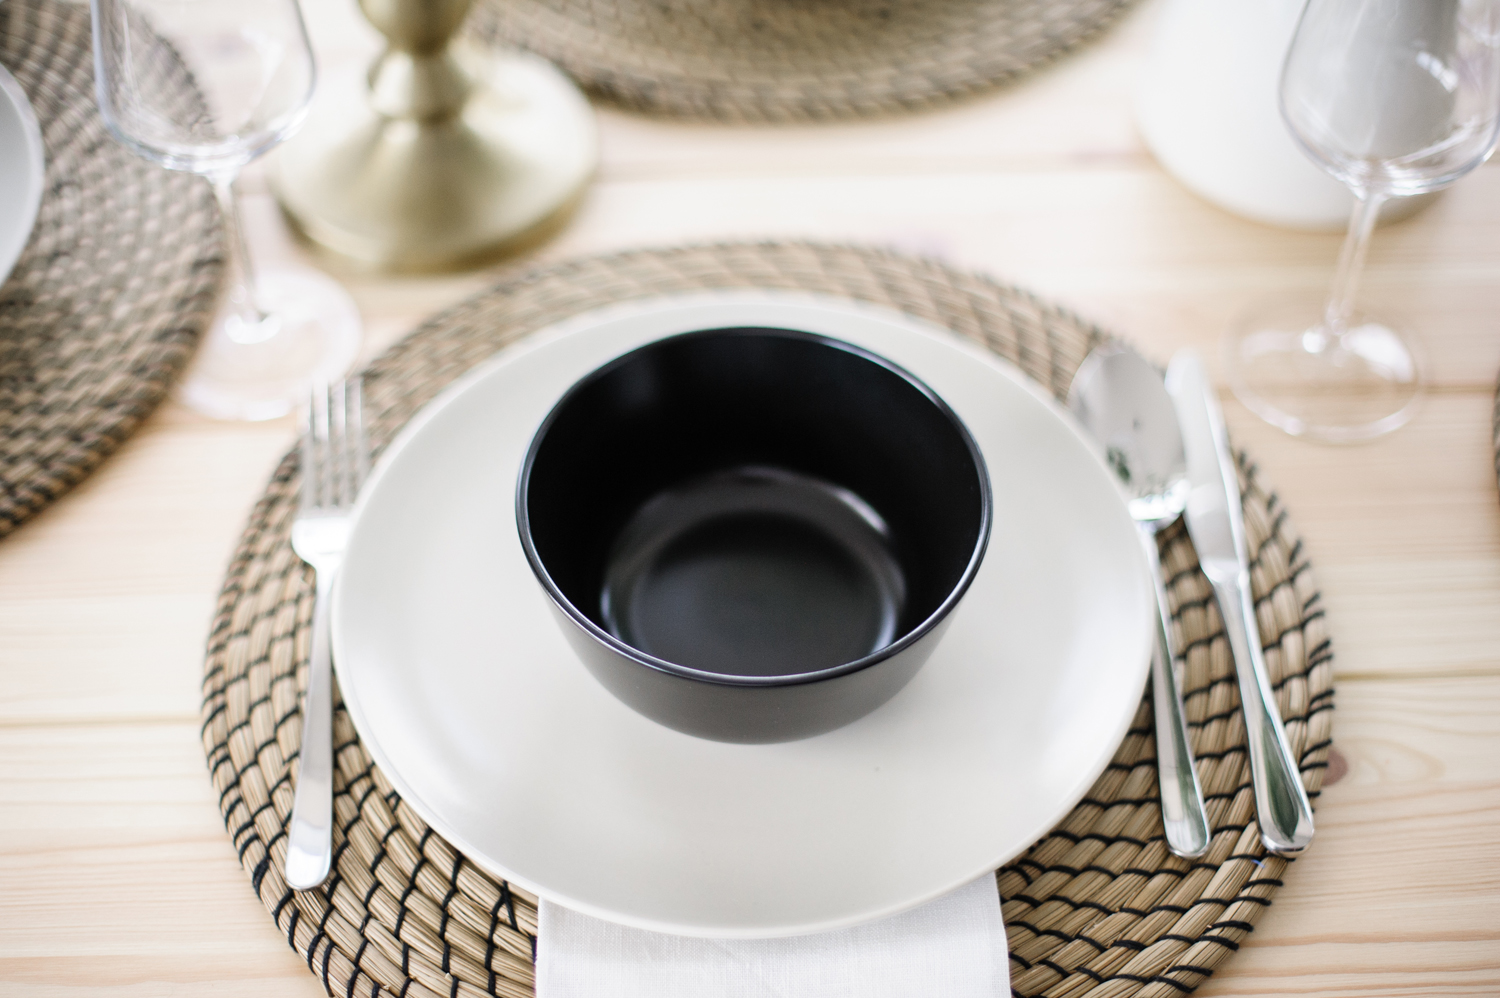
pixel 117 876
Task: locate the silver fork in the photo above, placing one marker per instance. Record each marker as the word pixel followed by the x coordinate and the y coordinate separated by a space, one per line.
pixel 335 460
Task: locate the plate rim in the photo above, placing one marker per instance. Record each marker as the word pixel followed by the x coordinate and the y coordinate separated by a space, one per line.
pixel 666 304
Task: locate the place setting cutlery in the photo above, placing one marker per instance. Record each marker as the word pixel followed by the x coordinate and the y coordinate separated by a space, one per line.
pixel 335 462
pixel 1164 438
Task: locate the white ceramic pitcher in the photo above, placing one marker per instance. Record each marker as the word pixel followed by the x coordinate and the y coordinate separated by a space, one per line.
pixel 1207 107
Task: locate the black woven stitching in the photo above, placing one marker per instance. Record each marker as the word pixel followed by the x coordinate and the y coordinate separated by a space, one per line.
pixel 489 952
pixel 1135 946
pixel 1263 881
pixel 1107 840
pixel 250 840
pixel 401 915
pixel 327 954
pixel 1127 767
pixel 312 951
pixel 374 886
pixel 354 974
pixel 1054 933
pixel 1231 923
pixel 510 905
pixel 259 873
pixel 1158 979
pixel 1094 974
pixel 407 983
pixel 443 924
pixel 453 992
pixel 338 854
pixel 1224 941
pixel 1075 905
pixel 1189 968
pixel 285 900
pixel 291 928
pixel 1223 754
pixel 1250 898
pixel 380 853
pixel 203 729
pixel 1025 963
pixel 1316 746
pixel 1175 909
pixel 1325 695
pixel 1058 968
pixel 281 833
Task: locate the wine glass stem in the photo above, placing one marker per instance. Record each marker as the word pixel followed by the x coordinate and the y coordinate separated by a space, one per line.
pixel 244 322
pixel 1351 262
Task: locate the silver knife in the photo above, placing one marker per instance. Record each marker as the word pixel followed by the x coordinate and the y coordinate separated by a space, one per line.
pixel 1216 522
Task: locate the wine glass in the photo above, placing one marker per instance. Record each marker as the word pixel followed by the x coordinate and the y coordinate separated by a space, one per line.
pixel 206 86
pixel 1392 97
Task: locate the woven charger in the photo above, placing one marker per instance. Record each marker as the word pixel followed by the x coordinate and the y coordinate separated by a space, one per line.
pixel 1098 907
pixel 118 280
pixel 790 60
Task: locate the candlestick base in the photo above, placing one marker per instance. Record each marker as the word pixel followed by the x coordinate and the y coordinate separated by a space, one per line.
pixel 413 174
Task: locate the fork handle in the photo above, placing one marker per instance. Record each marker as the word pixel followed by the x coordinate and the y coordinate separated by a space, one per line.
pixel 309 850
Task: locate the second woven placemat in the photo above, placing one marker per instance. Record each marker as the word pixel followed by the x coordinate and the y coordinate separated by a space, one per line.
pixel 120 276
pixel 790 60
pixel 1098 908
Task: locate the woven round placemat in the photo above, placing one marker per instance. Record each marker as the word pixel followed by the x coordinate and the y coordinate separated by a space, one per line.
pixel 790 60
pixel 1098 907
pixel 120 276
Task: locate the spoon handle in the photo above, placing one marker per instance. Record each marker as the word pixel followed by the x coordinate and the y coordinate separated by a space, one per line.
pixel 1182 811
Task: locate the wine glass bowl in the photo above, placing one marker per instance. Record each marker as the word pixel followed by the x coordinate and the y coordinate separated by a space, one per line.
pixel 207 86
pixel 1393 98
pixel 255 77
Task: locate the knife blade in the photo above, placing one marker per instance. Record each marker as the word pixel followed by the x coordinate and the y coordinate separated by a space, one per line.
pixel 1216 523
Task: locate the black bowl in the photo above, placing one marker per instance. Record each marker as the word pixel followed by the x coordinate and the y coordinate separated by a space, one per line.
pixel 753 535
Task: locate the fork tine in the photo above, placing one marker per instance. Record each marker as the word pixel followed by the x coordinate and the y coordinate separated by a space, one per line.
pixel 318 466
pixel 356 418
pixel 338 446
pixel 309 458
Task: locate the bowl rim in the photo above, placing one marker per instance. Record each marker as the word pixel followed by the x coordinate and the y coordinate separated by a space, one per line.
pixel 614 644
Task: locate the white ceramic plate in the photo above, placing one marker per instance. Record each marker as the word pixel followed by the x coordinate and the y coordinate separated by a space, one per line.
pixel 22 171
pixel 465 692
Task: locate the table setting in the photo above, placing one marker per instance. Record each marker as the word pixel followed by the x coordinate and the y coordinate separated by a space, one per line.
pixel 788 604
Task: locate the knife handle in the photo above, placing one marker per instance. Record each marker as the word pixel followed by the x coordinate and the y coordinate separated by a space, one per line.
pixel 1281 804
pixel 1182 813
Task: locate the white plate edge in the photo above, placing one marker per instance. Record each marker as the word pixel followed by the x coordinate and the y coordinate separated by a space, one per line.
pixel 682 304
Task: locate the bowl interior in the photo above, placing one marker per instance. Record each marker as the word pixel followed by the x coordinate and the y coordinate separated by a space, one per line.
pixel 753 502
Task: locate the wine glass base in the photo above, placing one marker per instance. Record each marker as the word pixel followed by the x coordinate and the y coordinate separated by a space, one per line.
pixel 314 337
pixel 1347 389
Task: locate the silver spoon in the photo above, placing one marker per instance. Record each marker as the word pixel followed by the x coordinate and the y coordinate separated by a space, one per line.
pixel 1123 402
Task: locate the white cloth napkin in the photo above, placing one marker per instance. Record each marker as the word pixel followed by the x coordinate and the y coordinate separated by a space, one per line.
pixel 953 947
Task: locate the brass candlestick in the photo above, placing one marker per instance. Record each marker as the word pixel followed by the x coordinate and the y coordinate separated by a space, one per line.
pixel 448 156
